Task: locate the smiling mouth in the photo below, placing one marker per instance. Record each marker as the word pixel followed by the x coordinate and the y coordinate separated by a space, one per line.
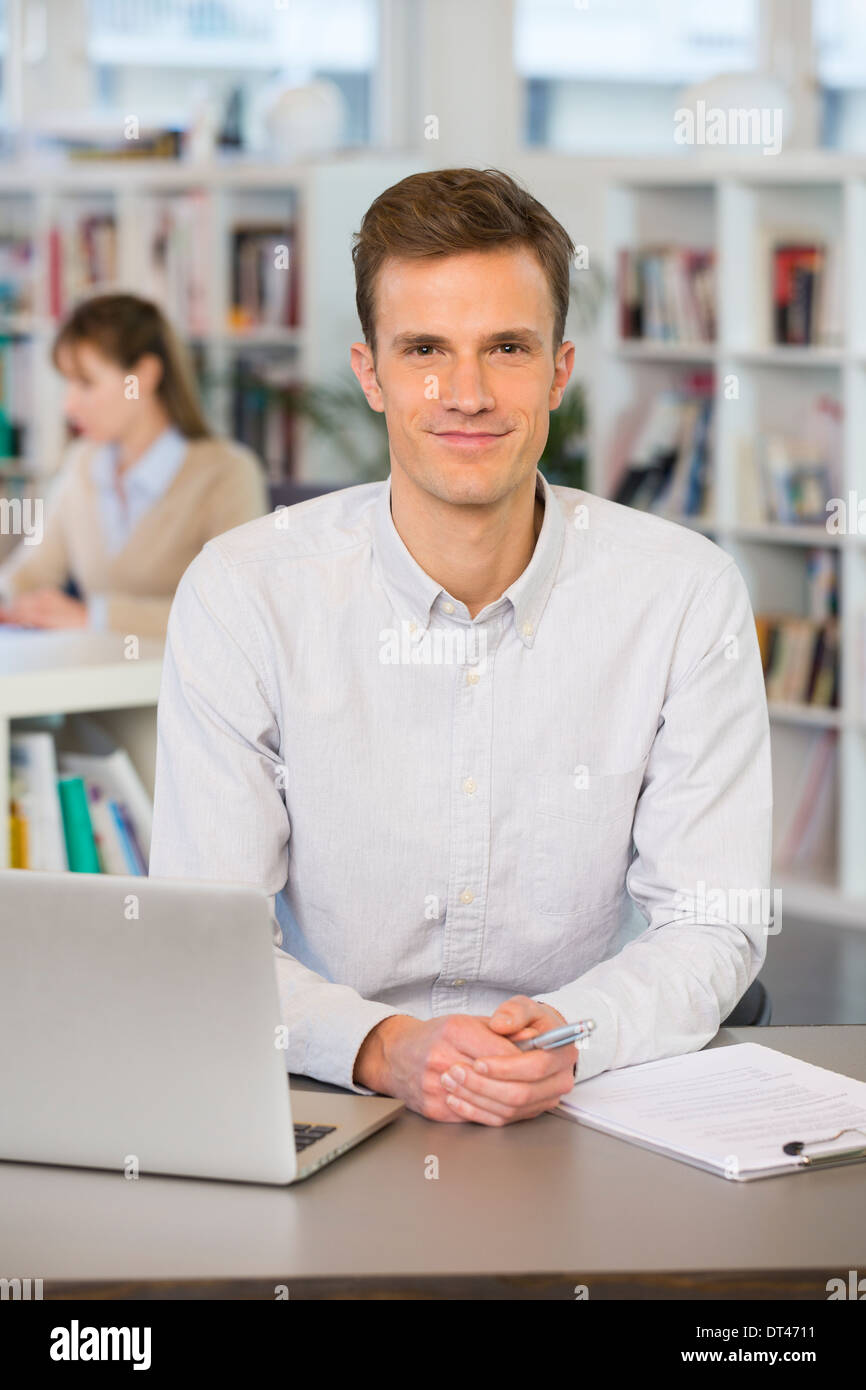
pixel 469 438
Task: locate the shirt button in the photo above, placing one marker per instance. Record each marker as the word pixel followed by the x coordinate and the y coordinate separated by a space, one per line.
pixel 527 629
pixel 469 786
pixel 467 896
pixel 472 678
pixel 448 608
pixel 459 982
pixel 413 627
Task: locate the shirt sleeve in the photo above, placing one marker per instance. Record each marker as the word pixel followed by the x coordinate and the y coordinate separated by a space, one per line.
pixel 703 844
pixel 219 812
pixel 97 612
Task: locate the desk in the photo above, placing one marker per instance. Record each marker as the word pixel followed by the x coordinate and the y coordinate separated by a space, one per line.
pixel 522 1211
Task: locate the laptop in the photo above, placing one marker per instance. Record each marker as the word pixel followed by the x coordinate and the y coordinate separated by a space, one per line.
pixel 140 1031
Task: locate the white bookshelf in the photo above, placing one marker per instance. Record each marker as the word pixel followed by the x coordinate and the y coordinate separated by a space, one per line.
pixel 739 209
pixel 61 673
pixel 323 200
pixel 68 672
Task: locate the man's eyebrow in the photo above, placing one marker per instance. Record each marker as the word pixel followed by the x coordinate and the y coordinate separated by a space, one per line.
pixel 505 335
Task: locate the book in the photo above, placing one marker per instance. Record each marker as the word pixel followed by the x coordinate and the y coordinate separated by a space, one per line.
pixel 177 271
pixel 809 812
pixel 16 273
pixel 77 827
pixel 108 849
pixel 797 277
pixel 262 415
pixel 741 1111
pixel 33 768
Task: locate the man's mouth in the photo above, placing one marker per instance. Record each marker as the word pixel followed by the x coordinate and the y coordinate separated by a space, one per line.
pixel 470 439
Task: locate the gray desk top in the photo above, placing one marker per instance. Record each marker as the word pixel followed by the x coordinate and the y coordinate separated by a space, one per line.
pixel 545 1196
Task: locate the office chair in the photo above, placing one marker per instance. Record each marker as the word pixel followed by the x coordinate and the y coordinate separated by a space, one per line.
pixel 286 494
pixel 753 1010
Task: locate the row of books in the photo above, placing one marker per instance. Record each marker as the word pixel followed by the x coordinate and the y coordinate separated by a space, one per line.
pixel 799 472
pixel 16 269
pixel 667 294
pixel 261 414
pixel 82 257
pixel 178 270
pixel 15 394
pixel 81 811
pixel 668 466
pixel 801 659
pixel 265 281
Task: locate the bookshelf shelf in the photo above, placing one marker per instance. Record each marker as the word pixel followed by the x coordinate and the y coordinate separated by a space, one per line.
pixel 807 714
pixel 780 356
pixel 69 672
pixel 742 211
pixel 638 350
pixel 779 533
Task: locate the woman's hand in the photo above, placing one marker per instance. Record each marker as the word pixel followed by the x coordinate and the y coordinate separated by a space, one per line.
pixel 45 608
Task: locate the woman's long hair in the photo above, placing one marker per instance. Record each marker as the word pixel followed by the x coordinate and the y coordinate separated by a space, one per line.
pixel 122 327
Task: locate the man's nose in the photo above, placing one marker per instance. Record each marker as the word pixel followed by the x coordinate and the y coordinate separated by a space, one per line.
pixel 463 386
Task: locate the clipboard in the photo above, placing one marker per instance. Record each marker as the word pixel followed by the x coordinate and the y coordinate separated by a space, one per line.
pixel 727 1111
pixel 836 1157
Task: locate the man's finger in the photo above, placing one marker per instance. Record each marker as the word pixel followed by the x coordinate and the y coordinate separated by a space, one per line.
pixel 504 1097
pixel 513 1014
pixel 524 1065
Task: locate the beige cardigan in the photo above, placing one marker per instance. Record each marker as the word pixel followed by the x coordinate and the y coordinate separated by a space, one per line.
pixel 220 484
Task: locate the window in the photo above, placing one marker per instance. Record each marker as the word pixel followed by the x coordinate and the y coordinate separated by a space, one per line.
pixel 840 52
pixel 148 54
pixel 602 76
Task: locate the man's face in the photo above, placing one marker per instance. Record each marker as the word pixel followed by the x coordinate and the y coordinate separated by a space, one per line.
pixel 465 370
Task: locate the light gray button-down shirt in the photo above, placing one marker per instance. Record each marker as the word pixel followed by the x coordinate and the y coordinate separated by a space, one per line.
pixel 450 811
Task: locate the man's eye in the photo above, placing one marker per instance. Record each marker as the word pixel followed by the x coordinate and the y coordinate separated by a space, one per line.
pixel 518 347
pixel 421 347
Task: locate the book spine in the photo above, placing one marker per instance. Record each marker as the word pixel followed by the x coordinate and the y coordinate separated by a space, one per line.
pixel 77 829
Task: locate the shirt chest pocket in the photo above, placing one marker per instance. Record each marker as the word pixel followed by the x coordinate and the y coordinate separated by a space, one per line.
pixel 582 838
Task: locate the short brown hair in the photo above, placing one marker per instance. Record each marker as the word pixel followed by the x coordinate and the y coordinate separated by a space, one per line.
pixel 124 327
pixel 445 211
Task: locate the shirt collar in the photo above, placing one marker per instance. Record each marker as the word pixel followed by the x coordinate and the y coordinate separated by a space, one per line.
pixel 151 474
pixel 413 592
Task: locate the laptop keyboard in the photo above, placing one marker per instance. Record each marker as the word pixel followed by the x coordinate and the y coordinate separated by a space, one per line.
pixel 305 1135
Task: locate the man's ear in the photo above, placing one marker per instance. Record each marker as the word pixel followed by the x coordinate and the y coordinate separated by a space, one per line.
pixel 365 370
pixel 563 367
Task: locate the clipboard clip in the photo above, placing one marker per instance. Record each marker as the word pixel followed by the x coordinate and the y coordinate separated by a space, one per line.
pixel 796 1146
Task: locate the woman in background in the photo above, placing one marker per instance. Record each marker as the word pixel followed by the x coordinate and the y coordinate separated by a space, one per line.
pixel 141 490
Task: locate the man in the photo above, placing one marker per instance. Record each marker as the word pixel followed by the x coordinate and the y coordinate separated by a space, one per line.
pixel 450 721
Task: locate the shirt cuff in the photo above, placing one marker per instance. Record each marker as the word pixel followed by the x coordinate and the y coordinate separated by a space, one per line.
pixel 97 612
pixel 576 1002
pixel 326 1025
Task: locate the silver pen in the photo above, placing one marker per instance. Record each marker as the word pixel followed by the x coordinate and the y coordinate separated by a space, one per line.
pixel 559 1037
